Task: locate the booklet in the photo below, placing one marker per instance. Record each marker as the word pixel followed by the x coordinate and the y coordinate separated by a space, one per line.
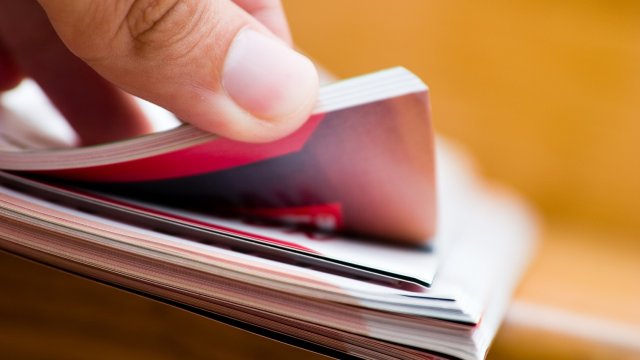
pixel 285 239
pixel 362 164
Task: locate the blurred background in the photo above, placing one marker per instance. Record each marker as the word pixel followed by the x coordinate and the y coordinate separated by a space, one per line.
pixel 544 93
pixel 545 96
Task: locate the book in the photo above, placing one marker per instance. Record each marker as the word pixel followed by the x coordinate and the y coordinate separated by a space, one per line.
pixel 290 239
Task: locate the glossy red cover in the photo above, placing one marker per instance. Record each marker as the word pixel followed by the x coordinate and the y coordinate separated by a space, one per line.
pixel 374 161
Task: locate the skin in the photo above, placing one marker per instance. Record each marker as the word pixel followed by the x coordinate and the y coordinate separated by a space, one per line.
pixel 89 55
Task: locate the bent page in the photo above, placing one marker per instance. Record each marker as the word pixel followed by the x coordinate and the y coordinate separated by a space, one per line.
pixel 362 164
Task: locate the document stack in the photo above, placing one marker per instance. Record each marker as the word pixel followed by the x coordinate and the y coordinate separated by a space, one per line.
pixel 361 235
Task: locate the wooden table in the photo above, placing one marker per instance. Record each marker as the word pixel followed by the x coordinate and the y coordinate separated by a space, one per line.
pixel 543 93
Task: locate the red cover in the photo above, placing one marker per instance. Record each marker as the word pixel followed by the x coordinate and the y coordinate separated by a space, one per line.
pixel 371 165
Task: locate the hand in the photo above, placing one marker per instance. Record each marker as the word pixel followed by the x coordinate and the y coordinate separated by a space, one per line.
pixel 224 66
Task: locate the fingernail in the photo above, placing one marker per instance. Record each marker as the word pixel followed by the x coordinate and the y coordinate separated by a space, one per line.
pixel 267 78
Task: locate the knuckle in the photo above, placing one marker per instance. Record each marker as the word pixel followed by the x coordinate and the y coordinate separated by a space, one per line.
pixel 93 21
pixel 146 15
pixel 156 25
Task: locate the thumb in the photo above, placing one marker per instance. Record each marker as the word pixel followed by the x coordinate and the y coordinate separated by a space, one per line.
pixel 209 62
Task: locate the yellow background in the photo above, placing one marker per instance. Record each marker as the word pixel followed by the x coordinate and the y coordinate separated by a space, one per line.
pixel 544 93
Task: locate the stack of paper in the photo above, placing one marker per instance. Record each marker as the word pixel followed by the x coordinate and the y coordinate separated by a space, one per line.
pixel 336 238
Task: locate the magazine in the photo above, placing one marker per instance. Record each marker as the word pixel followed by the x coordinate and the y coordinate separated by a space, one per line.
pixel 356 236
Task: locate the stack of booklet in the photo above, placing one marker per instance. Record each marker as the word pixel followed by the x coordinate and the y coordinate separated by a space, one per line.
pixel 358 236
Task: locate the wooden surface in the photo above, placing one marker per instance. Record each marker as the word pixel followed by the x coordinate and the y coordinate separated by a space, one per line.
pixel 545 95
pixel 48 314
pixel 579 299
